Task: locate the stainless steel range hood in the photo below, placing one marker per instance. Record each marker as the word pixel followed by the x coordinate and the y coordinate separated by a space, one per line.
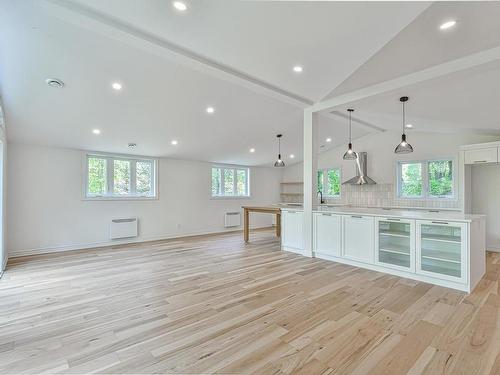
pixel 361 172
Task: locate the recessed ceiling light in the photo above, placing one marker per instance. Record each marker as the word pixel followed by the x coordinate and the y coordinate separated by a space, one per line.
pixel 447 25
pixel 298 69
pixel 292 156
pixel 179 5
pixel 116 86
pixel 210 109
pixel 408 126
pixel 54 82
pixel 174 142
pixel 328 140
pixel 132 145
pixel 252 150
pixel 96 131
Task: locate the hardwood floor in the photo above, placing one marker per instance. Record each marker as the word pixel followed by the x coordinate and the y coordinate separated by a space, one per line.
pixel 214 304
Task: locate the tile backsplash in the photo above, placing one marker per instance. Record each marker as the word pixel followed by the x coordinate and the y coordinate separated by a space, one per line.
pixel 383 195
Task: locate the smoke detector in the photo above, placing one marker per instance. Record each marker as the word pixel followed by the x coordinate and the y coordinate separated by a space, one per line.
pixel 54 82
pixel 132 145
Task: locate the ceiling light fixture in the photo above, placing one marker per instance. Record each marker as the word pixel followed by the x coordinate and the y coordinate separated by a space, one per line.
pixel 447 25
pixel 116 86
pixel 292 156
pixel 328 140
pixel 179 5
pixel 404 147
pixel 350 154
pixel 298 69
pixel 409 126
pixel 210 109
pixel 96 131
pixel 174 142
pixel 279 163
pixel 54 82
pixel 252 150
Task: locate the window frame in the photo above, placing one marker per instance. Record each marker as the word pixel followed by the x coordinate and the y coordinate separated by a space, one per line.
pixel 235 168
pixel 425 179
pixel 325 181
pixel 110 158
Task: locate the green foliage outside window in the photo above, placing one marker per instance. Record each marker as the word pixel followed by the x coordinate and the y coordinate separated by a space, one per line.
pixel 97 176
pixel 329 182
pixel 441 178
pixel 411 180
pixel 144 178
pixel 121 177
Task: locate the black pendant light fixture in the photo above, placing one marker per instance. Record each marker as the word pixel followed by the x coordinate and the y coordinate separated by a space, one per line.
pixel 350 154
pixel 279 162
pixel 404 147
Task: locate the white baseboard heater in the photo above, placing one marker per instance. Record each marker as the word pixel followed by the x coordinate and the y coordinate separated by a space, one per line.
pixel 232 219
pixel 123 228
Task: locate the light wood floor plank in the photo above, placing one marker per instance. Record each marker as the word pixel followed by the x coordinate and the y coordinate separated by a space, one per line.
pixel 213 304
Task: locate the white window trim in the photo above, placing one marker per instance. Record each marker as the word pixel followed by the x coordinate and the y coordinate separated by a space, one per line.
pixel 425 180
pixel 110 180
pixel 235 168
pixel 325 182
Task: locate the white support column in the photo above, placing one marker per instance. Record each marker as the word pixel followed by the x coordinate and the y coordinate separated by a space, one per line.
pixel 310 162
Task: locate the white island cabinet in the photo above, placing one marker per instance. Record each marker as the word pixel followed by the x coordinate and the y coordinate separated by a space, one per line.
pixel 358 238
pixel 327 236
pixel 444 248
pixel 292 233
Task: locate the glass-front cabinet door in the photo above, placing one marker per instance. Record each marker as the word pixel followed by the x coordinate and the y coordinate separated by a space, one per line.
pixel 395 243
pixel 442 250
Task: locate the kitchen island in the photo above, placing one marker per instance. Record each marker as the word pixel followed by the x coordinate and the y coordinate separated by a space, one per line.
pixel 445 248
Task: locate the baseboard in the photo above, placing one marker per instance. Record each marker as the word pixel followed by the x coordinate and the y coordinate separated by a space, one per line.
pixel 93 245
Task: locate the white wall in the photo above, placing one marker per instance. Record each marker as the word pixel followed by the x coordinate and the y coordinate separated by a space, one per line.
pixel 48 213
pixel 485 194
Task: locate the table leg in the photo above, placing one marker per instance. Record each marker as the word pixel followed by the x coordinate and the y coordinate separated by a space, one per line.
pixel 278 225
pixel 245 224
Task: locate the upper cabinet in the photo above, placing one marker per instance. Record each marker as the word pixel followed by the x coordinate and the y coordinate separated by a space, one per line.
pixel 481 156
pixel 481 153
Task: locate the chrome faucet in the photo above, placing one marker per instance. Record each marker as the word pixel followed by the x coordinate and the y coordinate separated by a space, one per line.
pixel 321 201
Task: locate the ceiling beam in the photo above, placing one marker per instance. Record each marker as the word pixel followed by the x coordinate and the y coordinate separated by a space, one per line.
pixel 89 19
pixel 433 72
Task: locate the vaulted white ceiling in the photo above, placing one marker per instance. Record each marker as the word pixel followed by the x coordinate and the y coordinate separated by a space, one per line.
pixel 236 56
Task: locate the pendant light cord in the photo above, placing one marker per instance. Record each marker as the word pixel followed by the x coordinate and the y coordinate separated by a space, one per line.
pixel 350 125
pixel 403 117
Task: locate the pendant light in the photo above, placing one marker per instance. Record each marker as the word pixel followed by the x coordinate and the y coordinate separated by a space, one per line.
pixel 350 154
pixel 279 162
pixel 404 147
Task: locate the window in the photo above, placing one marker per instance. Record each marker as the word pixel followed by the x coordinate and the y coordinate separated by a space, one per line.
pixel 115 176
pixel 230 182
pixel 329 182
pixel 426 179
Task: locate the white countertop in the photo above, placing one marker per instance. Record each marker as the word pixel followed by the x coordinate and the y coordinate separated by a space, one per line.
pixel 399 213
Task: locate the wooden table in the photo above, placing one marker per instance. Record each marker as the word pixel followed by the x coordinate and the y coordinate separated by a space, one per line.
pixel 266 210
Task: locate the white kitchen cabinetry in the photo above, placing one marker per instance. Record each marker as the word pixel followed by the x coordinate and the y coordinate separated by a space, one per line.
pixel 395 243
pixel 358 238
pixel 442 250
pixel 481 155
pixel 327 236
pixel 292 231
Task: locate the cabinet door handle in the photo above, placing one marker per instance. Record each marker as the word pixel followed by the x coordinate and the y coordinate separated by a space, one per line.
pixel 393 219
pixel 357 217
pixel 326 214
pixel 480 161
pixel 440 222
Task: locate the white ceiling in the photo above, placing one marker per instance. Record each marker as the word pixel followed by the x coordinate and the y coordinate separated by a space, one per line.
pixel 236 56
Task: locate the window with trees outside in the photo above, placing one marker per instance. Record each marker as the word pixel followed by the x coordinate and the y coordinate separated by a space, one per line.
pixel 117 177
pixel 230 182
pixel 426 179
pixel 329 182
